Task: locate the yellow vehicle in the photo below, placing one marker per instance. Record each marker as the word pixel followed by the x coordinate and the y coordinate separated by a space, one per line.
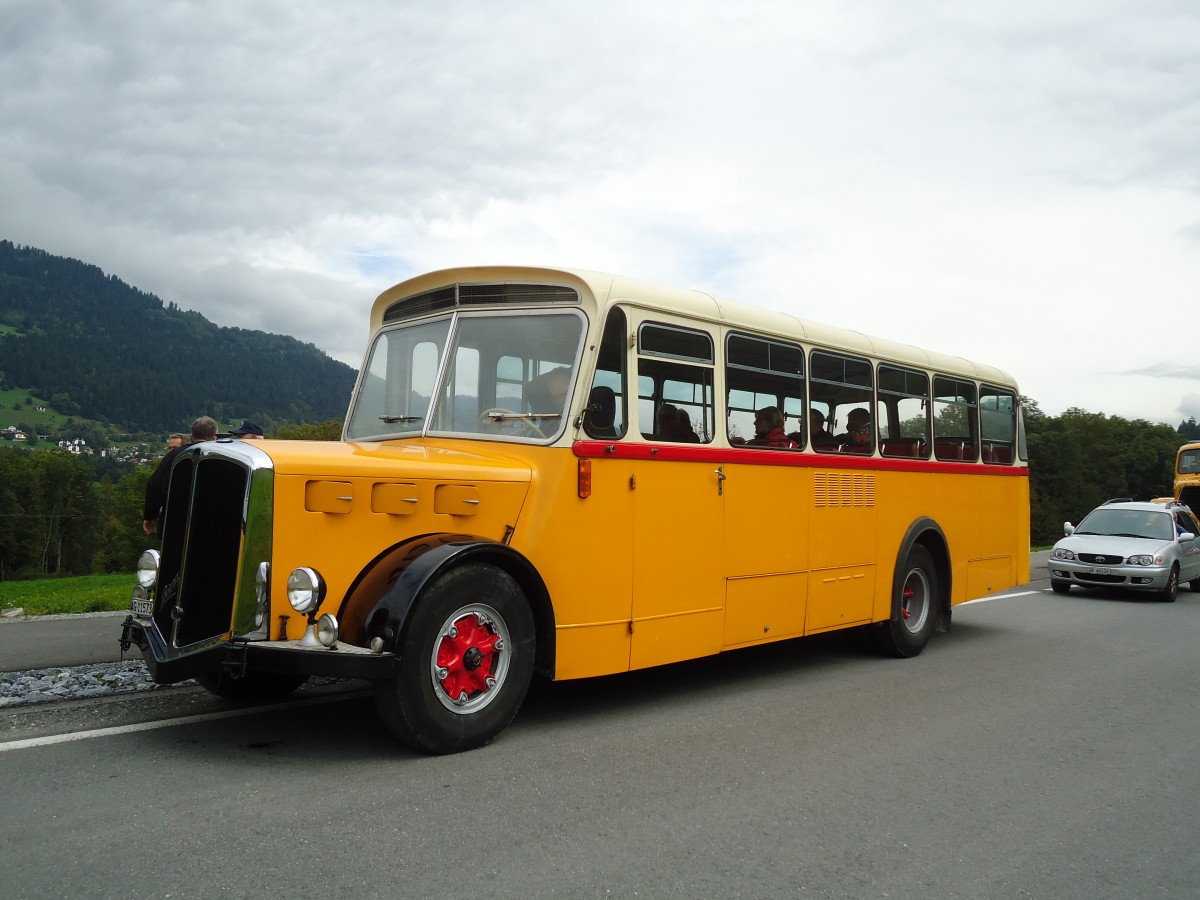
pixel 570 474
pixel 1187 475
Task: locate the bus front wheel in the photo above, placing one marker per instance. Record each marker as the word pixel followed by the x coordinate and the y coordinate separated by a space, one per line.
pixel 466 660
pixel 915 600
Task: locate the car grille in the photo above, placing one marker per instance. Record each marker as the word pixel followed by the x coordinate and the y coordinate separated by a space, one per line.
pixel 1096 559
pixel 201 549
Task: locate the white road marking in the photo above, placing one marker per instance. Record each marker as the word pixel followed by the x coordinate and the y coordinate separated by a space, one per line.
pixel 997 597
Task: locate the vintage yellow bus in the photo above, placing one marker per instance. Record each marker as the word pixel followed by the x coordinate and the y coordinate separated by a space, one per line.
pixel 1187 475
pixel 568 474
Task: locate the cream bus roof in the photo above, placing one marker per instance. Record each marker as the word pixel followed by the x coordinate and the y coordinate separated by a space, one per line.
pixel 598 289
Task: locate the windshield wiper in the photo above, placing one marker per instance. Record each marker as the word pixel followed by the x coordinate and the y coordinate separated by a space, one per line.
pixel 497 415
pixel 392 420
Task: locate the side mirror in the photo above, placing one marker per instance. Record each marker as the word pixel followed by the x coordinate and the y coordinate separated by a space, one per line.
pixel 1068 529
pixel 1187 536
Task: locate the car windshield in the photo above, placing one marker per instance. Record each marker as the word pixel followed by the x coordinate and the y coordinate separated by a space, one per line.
pixel 496 375
pixel 1128 523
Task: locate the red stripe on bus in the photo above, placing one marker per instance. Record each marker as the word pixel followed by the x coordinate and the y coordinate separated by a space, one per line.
pixel 795 458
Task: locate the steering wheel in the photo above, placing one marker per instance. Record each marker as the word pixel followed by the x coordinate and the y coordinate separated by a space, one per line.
pixel 494 419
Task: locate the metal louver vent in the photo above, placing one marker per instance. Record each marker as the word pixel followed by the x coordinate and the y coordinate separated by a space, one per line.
pixel 833 489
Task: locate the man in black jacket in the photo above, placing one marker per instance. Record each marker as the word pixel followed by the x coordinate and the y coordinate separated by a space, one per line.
pixel 203 429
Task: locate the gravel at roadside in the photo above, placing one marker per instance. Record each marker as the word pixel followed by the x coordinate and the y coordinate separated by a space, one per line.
pixel 75 682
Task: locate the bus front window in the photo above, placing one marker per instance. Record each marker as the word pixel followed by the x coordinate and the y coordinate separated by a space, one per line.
pixel 491 375
pixel 397 384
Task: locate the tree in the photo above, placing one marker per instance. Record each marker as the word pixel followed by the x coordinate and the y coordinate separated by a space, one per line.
pixel 123 539
pixel 329 430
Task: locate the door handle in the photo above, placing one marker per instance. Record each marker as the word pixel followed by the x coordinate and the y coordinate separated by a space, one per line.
pixel 721 476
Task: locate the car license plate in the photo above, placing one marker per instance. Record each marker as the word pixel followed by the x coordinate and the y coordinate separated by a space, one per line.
pixel 1099 570
pixel 143 609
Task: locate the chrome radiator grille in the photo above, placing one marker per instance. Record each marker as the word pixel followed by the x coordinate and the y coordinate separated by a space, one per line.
pixel 201 549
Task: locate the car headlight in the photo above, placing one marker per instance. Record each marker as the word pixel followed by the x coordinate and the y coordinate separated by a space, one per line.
pixel 1146 560
pixel 305 590
pixel 147 569
pixel 1061 553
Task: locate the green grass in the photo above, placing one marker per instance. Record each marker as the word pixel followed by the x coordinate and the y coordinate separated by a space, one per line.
pixel 88 593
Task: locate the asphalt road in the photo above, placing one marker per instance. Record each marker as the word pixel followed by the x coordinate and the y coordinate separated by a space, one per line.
pixel 1043 748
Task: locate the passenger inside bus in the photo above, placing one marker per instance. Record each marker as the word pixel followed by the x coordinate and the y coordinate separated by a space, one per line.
pixel 768 431
pixel 547 393
pixel 821 438
pixel 684 429
pixel 857 437
pixel 675 425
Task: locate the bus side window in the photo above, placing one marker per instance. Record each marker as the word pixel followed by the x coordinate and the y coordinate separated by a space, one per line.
pixel 604 415
pixel 955 424
pixel 760 375
pixel 997 425
pixel 903 412
pixel 675 384
pixel 843 385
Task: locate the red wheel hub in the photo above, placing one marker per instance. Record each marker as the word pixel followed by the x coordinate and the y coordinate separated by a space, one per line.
pixel 468 656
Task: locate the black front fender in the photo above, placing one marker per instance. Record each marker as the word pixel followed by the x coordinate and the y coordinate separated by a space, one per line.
pixel 378 605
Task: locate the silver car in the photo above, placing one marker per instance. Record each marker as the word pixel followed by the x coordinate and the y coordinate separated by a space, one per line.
pixel 1140 546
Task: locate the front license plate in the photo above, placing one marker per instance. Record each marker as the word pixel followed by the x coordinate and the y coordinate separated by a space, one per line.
pixel 1098 570
pixel 143 609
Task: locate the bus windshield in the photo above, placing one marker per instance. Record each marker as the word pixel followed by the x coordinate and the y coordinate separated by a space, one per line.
pixel 500 376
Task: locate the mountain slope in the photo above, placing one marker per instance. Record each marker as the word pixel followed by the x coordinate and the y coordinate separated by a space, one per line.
pixel 102 349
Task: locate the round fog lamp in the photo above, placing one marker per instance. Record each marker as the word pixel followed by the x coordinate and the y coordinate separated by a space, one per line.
pixel 147 569
pixel 327 630
pixel 304 590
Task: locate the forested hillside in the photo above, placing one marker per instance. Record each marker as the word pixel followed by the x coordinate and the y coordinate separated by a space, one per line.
pixel 101 349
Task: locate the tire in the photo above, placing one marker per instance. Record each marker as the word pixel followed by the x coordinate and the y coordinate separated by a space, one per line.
pixel 1169 593
pixel 916 600
pixel 466 660
pixel 1060 587
pixel 1194 585
pixel 254 687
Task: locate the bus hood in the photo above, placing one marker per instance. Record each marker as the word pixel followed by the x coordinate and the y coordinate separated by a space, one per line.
pixel 407 459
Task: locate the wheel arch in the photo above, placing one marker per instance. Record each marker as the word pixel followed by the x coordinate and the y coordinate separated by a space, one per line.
pixel 925 532
pixel 381 599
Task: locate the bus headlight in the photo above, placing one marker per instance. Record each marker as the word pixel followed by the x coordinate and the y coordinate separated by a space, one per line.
pixel 305 590
pixel 147 569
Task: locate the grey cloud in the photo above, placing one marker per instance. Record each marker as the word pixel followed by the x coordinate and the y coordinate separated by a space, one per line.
pixel 1168 370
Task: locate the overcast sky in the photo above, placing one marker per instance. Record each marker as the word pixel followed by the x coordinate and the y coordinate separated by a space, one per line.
pixel 1014 181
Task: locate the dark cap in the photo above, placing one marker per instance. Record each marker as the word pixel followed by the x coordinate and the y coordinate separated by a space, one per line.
pixel 248 427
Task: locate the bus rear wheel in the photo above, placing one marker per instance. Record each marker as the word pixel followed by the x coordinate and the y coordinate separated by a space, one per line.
pixel 466 660
pixel 915 602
